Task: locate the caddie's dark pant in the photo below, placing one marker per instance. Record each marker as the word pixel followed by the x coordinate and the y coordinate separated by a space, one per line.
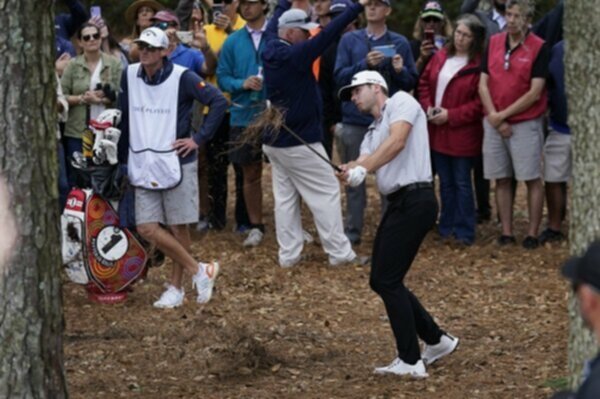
pixel 410 214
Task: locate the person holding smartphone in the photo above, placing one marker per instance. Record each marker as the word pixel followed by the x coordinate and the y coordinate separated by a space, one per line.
pixel 432 30
pixel 448 92
pixel 376 48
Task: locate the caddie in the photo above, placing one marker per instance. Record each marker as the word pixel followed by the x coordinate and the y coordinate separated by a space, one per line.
pixel 160 153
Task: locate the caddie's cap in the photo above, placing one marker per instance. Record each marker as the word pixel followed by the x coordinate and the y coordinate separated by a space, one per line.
pixel 585 269
pixel 359 79
pixel 154 37
pixel 296 18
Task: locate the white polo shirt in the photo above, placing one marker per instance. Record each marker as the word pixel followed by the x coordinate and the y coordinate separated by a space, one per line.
pixel 413 163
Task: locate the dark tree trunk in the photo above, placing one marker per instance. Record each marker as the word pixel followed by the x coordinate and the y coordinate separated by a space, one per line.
pixel 31 320
pixel 582 57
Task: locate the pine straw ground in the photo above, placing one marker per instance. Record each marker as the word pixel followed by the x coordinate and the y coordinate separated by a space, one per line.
pixel 317 332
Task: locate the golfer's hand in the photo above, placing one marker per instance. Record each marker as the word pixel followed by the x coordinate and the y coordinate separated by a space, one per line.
pixel 356 175
pixel 185 146
pixel 342 175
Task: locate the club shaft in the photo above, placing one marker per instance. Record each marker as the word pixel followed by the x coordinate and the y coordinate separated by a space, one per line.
pixel 300 139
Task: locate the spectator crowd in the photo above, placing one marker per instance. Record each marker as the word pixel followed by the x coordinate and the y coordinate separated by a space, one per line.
pixel 491 84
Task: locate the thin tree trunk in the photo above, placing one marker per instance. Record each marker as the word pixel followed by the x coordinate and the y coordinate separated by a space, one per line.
pixel 582 57
pixel 31 320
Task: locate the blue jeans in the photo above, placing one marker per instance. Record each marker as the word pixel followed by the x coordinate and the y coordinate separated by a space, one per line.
pixel 457 216
pixel 356 197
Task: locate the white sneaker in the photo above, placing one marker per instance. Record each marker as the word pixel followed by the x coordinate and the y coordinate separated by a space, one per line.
pixel 356 261
pixel 202 225
pixel 398 367
pixel 291 262
pixel 204 280
pixel 171 298
pixel 307 237
pixel 254 238
pixel 447 345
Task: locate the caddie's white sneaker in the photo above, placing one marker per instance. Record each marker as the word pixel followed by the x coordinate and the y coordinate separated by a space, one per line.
pixel 204 280
pixel 447 345
pixel 398 367
pixel 171 298
pixel 254 238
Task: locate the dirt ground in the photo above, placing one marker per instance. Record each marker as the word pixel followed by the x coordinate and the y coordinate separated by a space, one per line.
pixel 315 331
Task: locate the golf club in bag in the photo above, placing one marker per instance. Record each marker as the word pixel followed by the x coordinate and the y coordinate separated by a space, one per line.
pixel 97 252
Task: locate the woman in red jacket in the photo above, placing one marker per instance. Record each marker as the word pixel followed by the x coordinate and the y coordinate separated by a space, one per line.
pixel 448 91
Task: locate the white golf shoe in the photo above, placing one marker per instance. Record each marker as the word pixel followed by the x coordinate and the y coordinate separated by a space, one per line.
pixel 398 367
pixel 446 346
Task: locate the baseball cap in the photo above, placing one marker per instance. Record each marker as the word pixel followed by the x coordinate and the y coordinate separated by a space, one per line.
pixel 338 6
pixel 296 18
pixel 585 269
pixel 165 16
pixel 432 9
pixel 359 79
pixel 153 37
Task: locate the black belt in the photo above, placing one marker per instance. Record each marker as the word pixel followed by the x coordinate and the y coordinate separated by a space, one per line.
pixel 405 189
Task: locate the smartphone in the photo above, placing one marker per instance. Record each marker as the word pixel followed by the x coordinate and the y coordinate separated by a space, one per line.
pixel 388 50
pixel 217 9
pixel 185 37
pixel 430 36
pixel 95 11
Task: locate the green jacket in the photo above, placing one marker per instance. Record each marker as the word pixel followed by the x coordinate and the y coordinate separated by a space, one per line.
pixel 76 81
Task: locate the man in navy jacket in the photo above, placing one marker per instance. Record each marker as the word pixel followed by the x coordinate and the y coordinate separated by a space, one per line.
pixel 297 172
pixel 372 48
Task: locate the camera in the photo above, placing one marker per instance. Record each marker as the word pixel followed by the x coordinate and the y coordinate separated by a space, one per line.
pixel 108 91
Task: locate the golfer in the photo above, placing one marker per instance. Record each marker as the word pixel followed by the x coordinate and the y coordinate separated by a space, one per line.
pixel 396 148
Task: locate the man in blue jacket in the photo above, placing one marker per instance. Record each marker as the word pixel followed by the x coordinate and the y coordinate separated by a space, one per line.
pixel 372 48
pixel 297 172
pixel 160 153
pixel 240 74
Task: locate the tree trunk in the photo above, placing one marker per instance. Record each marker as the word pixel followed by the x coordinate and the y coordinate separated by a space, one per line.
pixel 31 320
pixel 582 57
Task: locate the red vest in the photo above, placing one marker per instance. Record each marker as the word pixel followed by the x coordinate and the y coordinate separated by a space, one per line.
pixel 507 86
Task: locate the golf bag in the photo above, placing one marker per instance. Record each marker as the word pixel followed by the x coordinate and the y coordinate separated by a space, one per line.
pixel 97 252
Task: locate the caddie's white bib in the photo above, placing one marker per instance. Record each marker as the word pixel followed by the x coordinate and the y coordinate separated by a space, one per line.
pixel 153 163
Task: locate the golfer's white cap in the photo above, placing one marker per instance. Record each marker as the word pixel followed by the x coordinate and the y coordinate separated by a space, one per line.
pixel 359 79
pixel 296 18
pixel 154 37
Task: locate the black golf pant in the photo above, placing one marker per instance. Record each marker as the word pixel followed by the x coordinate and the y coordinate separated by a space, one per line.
pixel 408 218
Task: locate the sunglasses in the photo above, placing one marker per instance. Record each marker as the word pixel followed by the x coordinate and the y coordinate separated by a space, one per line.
pixel 87 38
pixel 431 19
pixel 164 25
pixel 144 46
